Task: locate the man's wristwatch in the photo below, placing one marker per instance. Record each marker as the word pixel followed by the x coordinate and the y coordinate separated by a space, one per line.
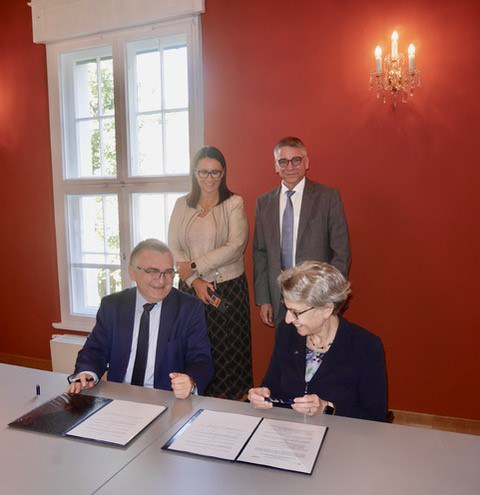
pixel 194 389
pixel 329 409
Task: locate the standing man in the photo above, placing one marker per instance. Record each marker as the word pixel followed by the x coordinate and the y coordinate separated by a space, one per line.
pixel 151 335
pixel 299 221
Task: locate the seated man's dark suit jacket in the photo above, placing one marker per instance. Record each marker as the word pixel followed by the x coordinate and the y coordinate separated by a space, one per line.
pixel 352 374
pixel 322 236
pixel 182 344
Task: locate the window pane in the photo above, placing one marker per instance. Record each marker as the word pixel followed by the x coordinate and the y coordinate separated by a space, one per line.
pixel 148 81
pixel 106 103
pixel 176 77
pixel 176 135
pixel 93 232
pixel 86 87
pixel 150 145
pixel 151 214
pixel 89 148
pixel 108 160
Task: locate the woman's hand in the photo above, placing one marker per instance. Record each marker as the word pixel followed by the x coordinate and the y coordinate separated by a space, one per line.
pixel 309 404
pixel 201 289
pixel 184 270
pixel 256 396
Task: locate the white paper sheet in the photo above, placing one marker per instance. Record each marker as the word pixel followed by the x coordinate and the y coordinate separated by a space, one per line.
pixel 216 434
pixel 284 445
pixel 118 422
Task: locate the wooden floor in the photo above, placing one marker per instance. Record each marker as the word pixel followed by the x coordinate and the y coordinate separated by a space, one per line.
pixel 457 425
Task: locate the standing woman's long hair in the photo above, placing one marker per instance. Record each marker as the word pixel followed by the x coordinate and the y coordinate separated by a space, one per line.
pixel 223 191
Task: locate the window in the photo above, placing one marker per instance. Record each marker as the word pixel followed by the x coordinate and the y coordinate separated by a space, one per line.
pixel 126 117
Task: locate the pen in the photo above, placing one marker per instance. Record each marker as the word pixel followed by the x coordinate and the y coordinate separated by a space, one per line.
pixel 77 380
pixel 279 401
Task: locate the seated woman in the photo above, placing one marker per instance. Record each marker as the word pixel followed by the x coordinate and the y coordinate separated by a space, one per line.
pixel 322 363
pixel 208 233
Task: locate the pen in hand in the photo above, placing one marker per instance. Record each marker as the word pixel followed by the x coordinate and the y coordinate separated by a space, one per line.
pixel 77 380
pixel 272 400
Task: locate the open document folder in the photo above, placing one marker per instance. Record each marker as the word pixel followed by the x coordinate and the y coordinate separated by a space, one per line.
pixel 94 418
pixel 236 437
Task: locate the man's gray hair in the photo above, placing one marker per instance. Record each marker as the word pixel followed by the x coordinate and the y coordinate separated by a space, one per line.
pixel 315 284
pixel 290 141
pixel 151 245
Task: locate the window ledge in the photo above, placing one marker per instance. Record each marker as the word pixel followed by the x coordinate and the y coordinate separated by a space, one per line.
pixel 74 326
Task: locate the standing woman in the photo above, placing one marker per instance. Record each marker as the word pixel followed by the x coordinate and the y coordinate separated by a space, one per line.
pixel 208 233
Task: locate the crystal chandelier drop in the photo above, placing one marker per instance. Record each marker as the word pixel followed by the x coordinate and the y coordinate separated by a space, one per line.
pixel 394 78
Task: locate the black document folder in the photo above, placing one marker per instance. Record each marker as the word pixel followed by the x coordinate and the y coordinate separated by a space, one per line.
pixel 59 415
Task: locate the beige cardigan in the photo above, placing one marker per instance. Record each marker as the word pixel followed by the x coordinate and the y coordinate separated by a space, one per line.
pixel 226 259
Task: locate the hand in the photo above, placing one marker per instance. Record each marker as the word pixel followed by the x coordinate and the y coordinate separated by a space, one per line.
pixel 181 384
pixel 256 396
pixel 201 289
pixel 184 270
pixel 76 387
pixel 266 314
pixel 309 405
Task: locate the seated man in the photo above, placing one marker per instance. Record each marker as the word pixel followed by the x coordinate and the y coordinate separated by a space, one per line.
pixel 151 335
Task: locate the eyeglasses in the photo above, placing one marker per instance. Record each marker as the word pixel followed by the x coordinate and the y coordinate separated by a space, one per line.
pixel 294 312
pixel 214 174
pixel 155 272
pixel 295 161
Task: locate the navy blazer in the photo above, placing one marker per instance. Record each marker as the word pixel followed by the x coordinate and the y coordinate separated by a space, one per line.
pixel 182 344
pixel 322 236
pixel 352 375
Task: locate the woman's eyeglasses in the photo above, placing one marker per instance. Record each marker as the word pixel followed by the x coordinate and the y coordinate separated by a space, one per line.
pixel 214 174
pixel 294 312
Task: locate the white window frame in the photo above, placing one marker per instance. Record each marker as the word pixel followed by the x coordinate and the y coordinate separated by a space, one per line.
pixel 80 38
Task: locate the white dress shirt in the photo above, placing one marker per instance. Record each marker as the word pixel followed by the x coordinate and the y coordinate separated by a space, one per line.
pixel 152 340
pixel 297 206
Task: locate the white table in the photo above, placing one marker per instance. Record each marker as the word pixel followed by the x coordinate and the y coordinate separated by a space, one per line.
pixel 39 464
pixel 357 458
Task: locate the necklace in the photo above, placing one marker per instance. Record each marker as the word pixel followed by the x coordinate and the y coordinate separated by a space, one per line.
pixel 207 206
pixel 319 347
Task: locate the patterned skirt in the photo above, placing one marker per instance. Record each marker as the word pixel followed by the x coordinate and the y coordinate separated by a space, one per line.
pixel 229 335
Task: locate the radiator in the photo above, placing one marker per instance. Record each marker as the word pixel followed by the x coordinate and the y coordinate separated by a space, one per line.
pixel 64 350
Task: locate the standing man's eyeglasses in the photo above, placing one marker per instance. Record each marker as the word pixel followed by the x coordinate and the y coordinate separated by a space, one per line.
pixel 295 161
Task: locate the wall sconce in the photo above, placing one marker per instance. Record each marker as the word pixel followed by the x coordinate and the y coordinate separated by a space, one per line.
pixel 393 77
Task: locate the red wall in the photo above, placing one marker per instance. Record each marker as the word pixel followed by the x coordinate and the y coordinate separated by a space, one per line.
pixel 407 176
pixel 29 289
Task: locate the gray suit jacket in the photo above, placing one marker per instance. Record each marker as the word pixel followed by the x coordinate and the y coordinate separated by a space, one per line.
pixel 322 236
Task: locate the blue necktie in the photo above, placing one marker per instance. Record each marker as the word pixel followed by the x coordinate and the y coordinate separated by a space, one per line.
pixel 286 250
pixel 138 374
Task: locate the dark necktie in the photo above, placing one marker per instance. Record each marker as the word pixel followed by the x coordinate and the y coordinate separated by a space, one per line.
pixel 286 250
pixel 138 374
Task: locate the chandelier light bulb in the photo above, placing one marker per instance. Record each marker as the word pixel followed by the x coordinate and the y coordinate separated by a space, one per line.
pixel 378 59
pixel 394 44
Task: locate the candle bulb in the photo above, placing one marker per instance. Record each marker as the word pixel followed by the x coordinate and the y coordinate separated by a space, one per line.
pixel 394 45
pixel 411 58
pixel 378 60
